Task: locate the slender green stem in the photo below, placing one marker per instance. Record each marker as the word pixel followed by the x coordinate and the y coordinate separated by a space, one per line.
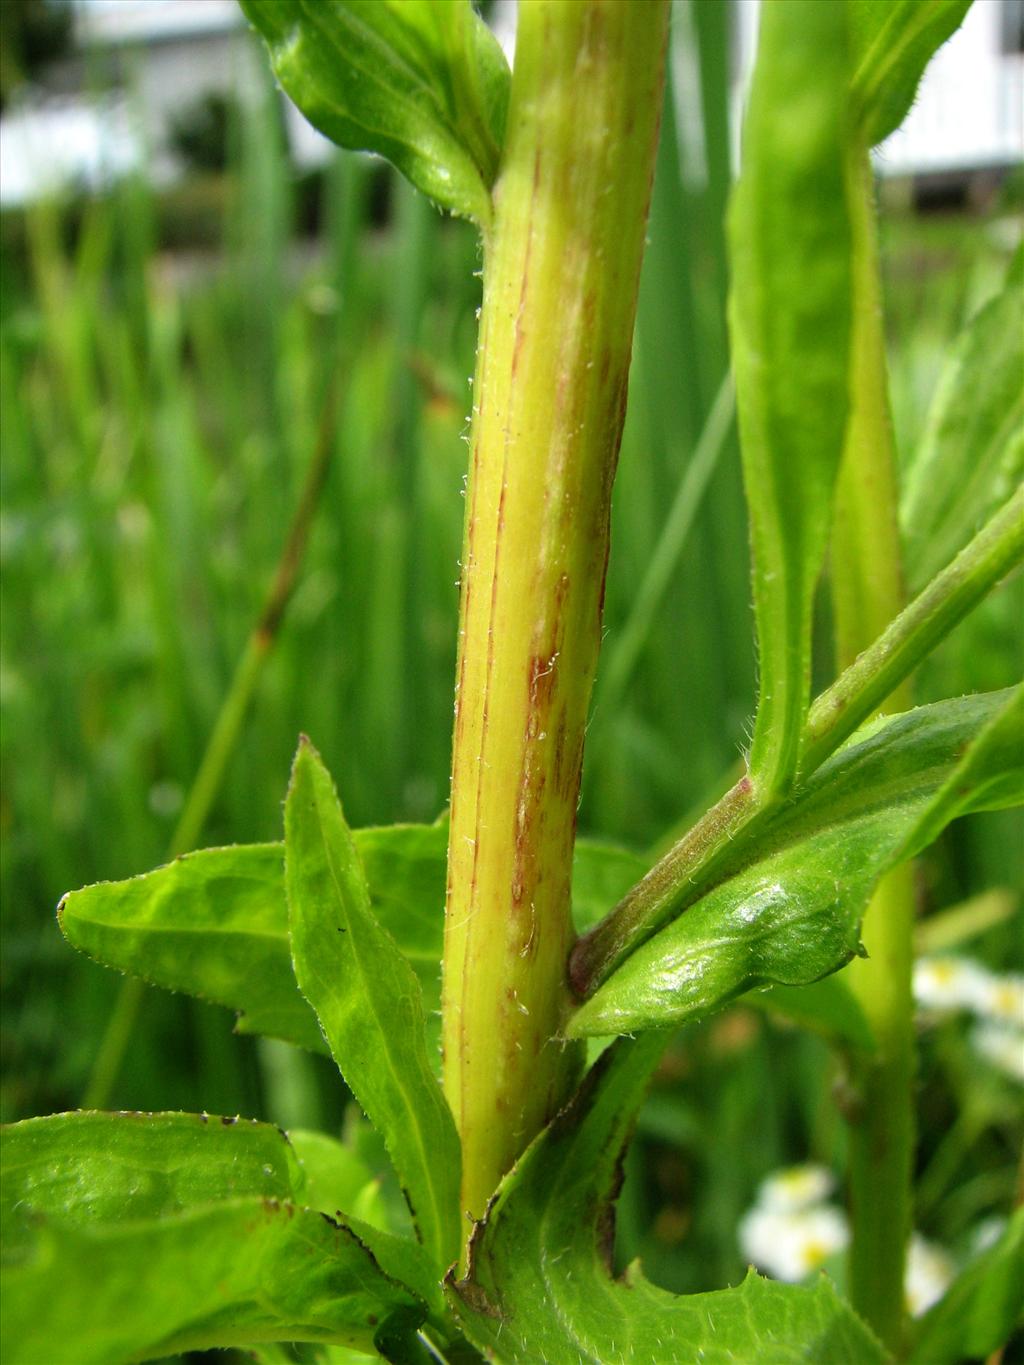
pixel 867 594
pixel 561 268
pixel 223 738
pixel 995 551
pixel 881 1119
pixel 717 841
pixel 114 1045
pixel 674 882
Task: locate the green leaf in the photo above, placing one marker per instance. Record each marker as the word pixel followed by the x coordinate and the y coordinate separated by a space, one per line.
pixel 423 84
pixel 83 1166
pixel 215 925
pixel 972 454
pixel 789 312
pixel 980 1310
pixel 790 913
pixel 540 1287
pixel 132 1235
pixel 988 776
pixel 368 1001
pixel 893 42
pixel 335 1179
pixel 274 1354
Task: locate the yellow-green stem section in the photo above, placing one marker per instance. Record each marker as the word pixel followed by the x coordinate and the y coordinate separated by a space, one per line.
pixel 561 267
pixel 867 593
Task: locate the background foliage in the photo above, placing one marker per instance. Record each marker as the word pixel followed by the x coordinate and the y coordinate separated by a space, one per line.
pixel 159 411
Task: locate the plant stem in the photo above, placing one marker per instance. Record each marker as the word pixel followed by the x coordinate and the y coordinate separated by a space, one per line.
pixel 674 882
pixel 562 262
pixel 875 674
pixel 867 594
pixel 223 738
pixel 716 843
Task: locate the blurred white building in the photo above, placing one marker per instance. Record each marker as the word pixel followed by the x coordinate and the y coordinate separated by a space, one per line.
pixel 153 59
pixel 969 112
pixel 165 55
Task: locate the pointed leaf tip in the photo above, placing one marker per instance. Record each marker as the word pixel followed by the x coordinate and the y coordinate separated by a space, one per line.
pixel 368 1002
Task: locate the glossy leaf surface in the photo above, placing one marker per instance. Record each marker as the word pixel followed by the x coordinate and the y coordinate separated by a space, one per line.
pixel 172 1231
pixel 789 235
pixel 791 914
pixel 368 1001
pixel 423 84
pixel 540 1288
pixel 893 42
pixel 981 1308
pixel 972 455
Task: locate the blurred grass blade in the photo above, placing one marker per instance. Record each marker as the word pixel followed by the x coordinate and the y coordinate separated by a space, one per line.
pixel 958 924
pixel 827 1007
pixel 369 1003
pixel 893 42
pixel 541 1288
pixel 622 654
pixel 979 1312
pixel 789 234
pixel 422 84
pixel 223 738
pixel 972 454
pixel 790 913
pixel 172 1232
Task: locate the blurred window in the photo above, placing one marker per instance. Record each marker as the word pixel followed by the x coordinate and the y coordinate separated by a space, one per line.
pixel 1013 26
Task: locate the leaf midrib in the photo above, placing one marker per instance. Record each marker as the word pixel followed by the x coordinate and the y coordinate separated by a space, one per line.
pixel 385 1035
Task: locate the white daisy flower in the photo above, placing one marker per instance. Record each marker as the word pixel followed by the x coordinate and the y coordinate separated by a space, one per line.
pixel 792 1245
pixel 945 985
pixel 796 1188
pixel 930 1270
pixel 1001 999
pixel 1002 1045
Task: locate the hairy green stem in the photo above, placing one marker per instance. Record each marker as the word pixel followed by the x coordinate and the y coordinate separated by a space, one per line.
pixel 223 738
pixel 995 551
pixel 718 840
pixel 561 268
